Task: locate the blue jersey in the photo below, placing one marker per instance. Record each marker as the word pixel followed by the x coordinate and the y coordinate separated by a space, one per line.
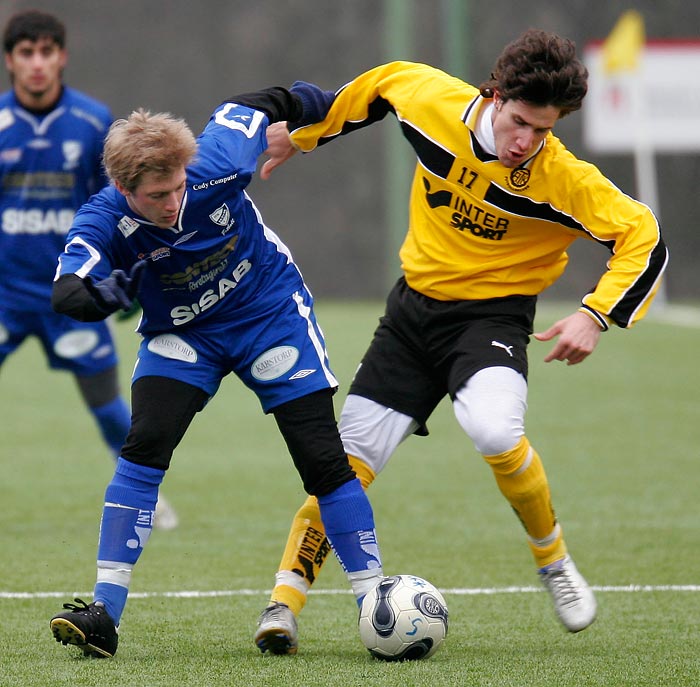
pixel 50 164
pixel 219 262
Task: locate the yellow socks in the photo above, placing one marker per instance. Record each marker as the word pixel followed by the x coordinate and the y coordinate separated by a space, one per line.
pixel 307 548
pixel 305 552
pixel 521 478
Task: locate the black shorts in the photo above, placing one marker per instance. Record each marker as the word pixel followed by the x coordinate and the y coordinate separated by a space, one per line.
pixel 424 349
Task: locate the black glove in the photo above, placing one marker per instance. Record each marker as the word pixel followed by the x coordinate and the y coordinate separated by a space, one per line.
pixel 117 291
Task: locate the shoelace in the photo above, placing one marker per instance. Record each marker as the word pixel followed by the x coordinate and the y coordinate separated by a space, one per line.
pixel 76 609
pixel 274 612
pixel 563 586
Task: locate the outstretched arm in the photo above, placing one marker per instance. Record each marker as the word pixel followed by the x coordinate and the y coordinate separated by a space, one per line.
pixel 304 103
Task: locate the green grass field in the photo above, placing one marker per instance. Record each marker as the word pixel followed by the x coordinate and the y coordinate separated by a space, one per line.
pixel 619 437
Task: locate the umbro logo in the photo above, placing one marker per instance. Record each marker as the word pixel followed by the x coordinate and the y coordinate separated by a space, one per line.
pixel 302 373
pixel 184 238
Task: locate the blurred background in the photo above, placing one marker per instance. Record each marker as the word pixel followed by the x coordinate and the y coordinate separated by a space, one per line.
pixel 342 209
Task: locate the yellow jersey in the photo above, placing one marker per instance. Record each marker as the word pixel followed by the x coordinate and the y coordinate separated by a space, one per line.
pixel 480 230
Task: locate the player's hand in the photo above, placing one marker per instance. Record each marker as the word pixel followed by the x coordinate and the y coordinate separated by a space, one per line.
pixel 279 148
pixel 117 291
pixel 578 336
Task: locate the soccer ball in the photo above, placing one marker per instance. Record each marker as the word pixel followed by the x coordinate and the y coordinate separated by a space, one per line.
pixel 403 618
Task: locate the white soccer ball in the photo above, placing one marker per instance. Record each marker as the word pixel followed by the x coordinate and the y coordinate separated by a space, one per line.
pixel 403 618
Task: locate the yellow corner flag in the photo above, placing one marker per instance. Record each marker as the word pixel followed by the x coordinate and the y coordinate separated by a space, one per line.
pixel 622 48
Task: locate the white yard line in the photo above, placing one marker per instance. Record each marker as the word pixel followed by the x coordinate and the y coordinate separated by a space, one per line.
pixel 460 591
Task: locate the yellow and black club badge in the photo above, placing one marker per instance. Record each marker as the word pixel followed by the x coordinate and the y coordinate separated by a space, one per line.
pixel 519 177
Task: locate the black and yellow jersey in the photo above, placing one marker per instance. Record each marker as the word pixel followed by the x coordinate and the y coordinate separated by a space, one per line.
pixel 480 230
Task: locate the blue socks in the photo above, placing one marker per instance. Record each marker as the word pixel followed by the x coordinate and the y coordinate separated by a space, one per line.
pixel 349 522
pixel 127 521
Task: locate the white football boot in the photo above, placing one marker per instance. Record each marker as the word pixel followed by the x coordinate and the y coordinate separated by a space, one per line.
pixel 573 599
pixel 277 630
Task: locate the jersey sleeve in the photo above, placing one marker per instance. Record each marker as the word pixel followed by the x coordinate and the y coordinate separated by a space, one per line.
pixel 276 102
pixel 364 101
pixel 233 139
pixel 631 232
pixel 88 250
pixel 86 253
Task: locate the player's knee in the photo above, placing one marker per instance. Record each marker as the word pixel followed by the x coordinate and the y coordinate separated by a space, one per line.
pixel 492 432
pixel 495 437
pixel 148 444
pixel 309 429
pixel 493 420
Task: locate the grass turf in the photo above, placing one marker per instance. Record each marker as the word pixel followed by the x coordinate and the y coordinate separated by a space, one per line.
pixel 618 436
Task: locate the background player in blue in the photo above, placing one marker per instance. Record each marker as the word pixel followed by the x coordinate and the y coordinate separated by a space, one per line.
pixel 51 139
pixel 220 293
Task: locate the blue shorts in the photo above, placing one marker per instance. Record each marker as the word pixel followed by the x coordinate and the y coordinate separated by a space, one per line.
pixel 280 354
pixel 83 348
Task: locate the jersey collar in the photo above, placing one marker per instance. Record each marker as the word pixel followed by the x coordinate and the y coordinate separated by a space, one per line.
pixel 471 117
